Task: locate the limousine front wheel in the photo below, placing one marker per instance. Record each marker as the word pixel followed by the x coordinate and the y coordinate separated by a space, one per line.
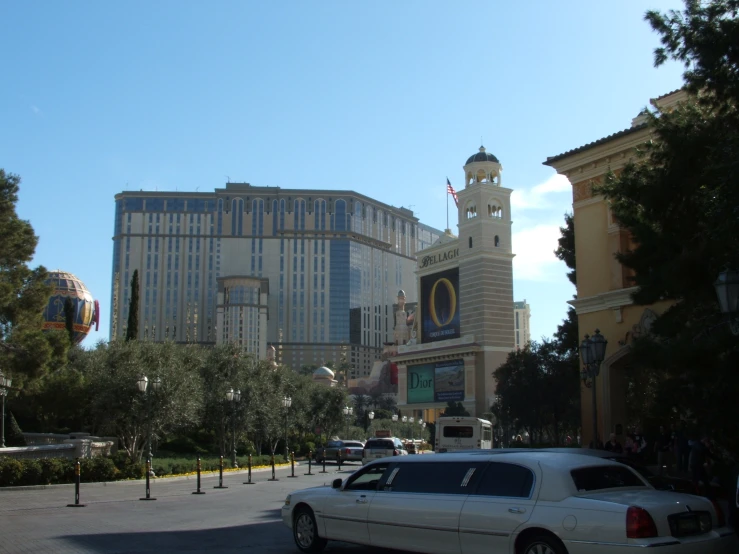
pixel 305 531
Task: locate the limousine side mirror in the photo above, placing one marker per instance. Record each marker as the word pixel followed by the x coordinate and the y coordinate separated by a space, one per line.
pixel 336 484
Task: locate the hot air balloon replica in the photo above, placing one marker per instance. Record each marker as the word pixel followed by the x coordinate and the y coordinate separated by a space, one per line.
pixel 86 310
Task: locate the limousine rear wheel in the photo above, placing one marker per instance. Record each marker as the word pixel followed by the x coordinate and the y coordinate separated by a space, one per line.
pixel 542 544
pixel 305 531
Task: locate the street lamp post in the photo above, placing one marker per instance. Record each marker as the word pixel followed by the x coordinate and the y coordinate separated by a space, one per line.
pixel 404 420
pixel 348 411
pixel 593 351
pixel 143 384
pixel 4 386
pixel 233 396
pixel 410 420
pixel 394 418
pixel 286 403
pixel 421 425
pixel 371 416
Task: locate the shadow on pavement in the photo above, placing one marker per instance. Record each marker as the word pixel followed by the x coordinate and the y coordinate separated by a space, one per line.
pixel 269 537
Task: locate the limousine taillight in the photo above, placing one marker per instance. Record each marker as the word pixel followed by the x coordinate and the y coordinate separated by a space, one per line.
pixel 639 524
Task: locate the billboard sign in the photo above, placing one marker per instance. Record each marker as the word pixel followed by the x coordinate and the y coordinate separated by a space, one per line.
pixel 438 382
pixel 440 306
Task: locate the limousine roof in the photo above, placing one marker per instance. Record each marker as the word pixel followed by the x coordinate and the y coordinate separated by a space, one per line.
pixel 555 467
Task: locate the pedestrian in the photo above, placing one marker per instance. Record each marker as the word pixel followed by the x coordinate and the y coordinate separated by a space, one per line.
pixel 629 445
pixel 697 461
pixel 663 446
pixel 640 444
pixel 613 445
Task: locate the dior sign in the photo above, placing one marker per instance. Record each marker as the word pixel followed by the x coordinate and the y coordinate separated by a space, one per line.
pixel 427 261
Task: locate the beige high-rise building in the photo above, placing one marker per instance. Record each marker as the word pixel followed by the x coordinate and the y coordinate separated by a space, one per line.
pixel 464 323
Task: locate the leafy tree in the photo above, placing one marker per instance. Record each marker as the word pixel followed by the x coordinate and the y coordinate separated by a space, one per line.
pixel 13 433
pixel 69 319
pixel 454 409
pixel 116 405
pixel 704 38
pixel 566 249
pixel 680 203
pixel 132 330
pixel 25 351
pixel 538 391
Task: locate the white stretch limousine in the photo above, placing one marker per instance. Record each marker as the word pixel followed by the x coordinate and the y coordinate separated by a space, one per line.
pixel 513 503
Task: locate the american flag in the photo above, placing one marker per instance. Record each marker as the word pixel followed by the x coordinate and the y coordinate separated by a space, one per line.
pixel 450 190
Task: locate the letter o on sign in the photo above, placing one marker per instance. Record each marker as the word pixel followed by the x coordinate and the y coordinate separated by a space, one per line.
pixel 452 302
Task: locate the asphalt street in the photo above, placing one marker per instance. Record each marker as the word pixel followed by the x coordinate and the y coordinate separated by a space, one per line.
pixel 240 518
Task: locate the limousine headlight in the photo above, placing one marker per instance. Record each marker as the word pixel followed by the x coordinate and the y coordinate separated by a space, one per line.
pixel 287 500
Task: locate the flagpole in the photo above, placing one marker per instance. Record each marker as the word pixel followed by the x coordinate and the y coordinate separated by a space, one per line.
pixel 447 209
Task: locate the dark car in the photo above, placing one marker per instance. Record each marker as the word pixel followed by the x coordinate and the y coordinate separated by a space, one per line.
pixel 351 451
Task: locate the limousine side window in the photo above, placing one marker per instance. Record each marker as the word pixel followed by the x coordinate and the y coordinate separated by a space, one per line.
pixel 508 480
pixel 435 478
pixel 366 479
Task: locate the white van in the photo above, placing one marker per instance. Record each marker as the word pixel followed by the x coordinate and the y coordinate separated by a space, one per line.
pixel 463 433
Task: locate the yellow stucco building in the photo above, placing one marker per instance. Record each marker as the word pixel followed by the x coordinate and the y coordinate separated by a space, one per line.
pixel 604 286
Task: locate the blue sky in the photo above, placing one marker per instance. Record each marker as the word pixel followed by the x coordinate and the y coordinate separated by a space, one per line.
pixel 384 98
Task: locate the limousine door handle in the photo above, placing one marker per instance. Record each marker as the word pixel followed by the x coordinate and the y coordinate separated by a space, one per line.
pixel 362 500
pixel 517 510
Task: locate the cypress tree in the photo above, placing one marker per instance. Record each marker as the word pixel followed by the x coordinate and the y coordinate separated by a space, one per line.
pixel 132 331
pixel 69 319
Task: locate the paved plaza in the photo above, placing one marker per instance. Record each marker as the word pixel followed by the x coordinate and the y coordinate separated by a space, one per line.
pixel 240 518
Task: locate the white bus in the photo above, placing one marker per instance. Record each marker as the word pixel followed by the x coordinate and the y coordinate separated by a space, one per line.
pixel 463 433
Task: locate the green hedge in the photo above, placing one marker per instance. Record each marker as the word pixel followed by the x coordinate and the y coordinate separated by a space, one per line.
pixel 52 471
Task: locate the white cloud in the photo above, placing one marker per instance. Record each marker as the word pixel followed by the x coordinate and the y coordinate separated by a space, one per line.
pixel 536 197
pixel 534 248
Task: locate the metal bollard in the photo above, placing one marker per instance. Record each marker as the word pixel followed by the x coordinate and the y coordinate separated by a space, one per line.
pixel 220 475
pixel 76 487
pixel 324 462
pixel 248 481
pixel 292 466
pixel 272 461
pixel 339 460
pixel 199 491
pixel 310 461
pixel 148 486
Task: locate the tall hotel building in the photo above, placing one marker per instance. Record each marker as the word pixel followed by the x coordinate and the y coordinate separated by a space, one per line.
pixel 312 272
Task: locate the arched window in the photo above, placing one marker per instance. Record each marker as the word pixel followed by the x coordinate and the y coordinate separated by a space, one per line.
pixel 470 178
pixel 495 210
pixel 470 211
pixel 497 240
pixel 470 239
pixel 481 176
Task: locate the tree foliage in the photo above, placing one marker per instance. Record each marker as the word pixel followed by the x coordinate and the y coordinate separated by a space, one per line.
pixel 680 203
pixel 538 391
pixel 25 350
pixel 566 249
pixel 132 328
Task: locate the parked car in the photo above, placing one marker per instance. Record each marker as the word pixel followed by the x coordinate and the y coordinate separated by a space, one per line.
pixel 351 451
pixel 382 448
pixel 512 502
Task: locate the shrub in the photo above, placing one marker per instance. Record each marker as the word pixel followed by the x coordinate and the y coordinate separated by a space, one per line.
pixel 52 471
pixel 11 472
pixel 183 445
pixel 99 468
pixel 32 472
